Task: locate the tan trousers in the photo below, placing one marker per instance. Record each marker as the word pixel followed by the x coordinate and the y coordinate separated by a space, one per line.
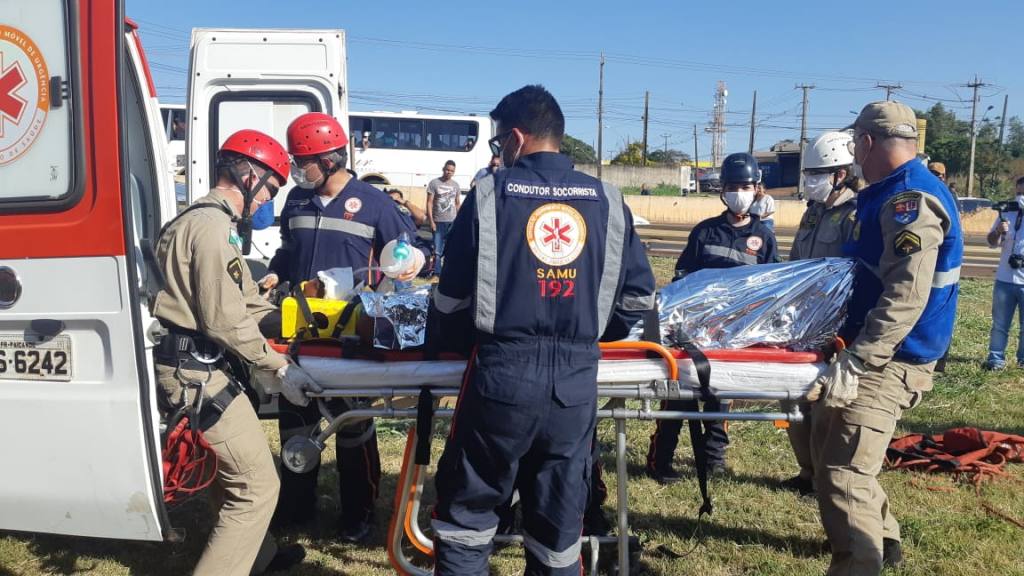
pixel 245 491
pixel 800 439
pixel 848 449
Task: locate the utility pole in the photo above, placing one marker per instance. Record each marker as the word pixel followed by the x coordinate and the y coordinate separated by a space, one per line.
pixel 888 89
pixel 696 162
pixel 717 128
pixel 665 136
pixel 1002 126
pixel 600 118
pixel 803 140
pixel 753 117
pixel 974 131
pixel 643 154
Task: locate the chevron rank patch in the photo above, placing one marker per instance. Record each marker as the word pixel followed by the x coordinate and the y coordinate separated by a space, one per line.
pixel 235 271
pixel 906 243
pixel 906 207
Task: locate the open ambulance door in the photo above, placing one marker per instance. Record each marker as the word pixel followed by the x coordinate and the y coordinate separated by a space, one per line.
pixel 258 79
pixel 82 192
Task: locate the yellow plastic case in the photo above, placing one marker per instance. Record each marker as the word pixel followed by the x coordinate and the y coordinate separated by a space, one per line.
pixel 325 312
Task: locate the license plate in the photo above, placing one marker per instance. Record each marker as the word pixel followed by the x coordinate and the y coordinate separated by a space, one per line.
pixel 28 359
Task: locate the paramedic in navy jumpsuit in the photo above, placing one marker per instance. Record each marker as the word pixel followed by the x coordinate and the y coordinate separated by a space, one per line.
pixel 542 262
pixel 331 219
pixel 733 238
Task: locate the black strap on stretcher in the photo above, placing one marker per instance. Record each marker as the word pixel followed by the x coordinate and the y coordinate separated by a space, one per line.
pixel 652 333
pixel 425 405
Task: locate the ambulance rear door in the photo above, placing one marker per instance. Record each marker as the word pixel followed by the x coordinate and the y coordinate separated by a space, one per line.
pixel 81 193
pixel 258 79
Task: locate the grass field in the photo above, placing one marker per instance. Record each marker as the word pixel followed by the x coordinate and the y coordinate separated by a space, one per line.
pixel 756 528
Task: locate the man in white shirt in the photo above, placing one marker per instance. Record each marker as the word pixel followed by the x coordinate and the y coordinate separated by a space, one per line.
pixel 764 207
pixel 1008 292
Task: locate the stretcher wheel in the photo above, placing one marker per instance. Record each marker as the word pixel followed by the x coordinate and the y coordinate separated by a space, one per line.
pixel 300 454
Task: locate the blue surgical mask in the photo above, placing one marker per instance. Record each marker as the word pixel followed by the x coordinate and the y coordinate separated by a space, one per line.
pixel 264 216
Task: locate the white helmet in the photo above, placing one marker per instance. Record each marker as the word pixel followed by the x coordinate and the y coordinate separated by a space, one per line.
pixel 830 150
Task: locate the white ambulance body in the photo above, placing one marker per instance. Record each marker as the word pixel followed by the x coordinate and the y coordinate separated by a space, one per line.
pixel 84 191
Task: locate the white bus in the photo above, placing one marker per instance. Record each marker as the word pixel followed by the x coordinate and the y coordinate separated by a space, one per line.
pixel 410 149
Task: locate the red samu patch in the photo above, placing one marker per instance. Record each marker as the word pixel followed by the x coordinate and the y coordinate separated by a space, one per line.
pixel 754 243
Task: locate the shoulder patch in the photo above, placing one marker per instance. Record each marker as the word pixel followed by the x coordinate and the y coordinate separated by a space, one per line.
pixel 906 243
pixel 235 270
pixel 906 207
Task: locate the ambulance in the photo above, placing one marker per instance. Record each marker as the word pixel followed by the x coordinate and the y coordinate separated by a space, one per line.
pixel 84 191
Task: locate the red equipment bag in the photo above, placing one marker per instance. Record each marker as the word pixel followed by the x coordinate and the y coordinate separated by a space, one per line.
pixel 967 452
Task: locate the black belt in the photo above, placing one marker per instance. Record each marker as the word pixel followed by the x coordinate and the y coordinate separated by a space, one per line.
pixel 189 351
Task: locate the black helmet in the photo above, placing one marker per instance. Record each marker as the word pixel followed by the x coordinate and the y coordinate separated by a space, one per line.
pixel 740 168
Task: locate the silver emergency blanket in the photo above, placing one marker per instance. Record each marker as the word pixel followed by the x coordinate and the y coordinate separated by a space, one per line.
pixel 796 305
pixel 399 318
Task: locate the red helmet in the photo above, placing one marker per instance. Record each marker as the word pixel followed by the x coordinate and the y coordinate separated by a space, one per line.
pixel 257 146
pixel 315 133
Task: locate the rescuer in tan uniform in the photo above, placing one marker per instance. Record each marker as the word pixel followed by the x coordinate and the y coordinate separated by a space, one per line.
pixel 827 224
pixel 909 248
pixel 210 307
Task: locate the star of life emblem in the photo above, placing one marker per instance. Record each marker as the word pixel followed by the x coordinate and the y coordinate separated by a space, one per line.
pixel 556 234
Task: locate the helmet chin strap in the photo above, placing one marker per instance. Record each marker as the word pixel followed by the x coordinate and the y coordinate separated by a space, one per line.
pixel 244 224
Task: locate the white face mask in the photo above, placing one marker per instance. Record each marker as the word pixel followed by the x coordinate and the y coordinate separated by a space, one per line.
pixel 301 178
pixel 738 202
pixel 1020 201
pixel 818 187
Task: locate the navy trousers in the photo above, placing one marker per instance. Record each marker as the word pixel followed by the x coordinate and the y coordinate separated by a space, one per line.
pixel 525 410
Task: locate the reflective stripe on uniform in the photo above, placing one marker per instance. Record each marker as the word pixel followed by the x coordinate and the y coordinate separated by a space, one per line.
pixel 731 254
pixel 635 303
pixel 613 246
pixel 487 257
pixel 948 278
pixel 549 557
pixel 447 304
pixel 460 536
pixel 337 224
pixel 939 280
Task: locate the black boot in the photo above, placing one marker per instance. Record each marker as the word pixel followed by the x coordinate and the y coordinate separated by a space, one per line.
pixel 892 553
pixel 287 557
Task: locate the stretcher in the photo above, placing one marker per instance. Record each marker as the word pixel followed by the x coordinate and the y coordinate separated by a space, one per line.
pixel 406 385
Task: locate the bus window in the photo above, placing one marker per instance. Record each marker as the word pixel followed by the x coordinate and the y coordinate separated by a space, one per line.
pixel 358 127
pixel 179 125
pixel 410 134
pixel 385 133
pixel 451 135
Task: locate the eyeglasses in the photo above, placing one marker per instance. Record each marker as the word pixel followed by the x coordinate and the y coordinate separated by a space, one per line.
pixel 496 143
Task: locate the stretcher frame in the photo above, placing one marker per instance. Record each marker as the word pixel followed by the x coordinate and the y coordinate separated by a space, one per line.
pixel 404 522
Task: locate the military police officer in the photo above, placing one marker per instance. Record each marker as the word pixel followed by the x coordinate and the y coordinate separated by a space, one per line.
pixel 332 219
pixel 827 224
pixel 909 246
pixel 542 261
pixel 734 238
pixel 210 307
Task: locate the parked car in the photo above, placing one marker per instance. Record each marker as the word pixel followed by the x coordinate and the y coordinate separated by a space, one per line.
pixel 710 183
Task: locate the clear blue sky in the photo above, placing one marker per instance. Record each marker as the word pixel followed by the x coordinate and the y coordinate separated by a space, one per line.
pixel 463 56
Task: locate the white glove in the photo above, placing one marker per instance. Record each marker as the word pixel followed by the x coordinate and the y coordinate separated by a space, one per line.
pixel 838 385
pixel 295 383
